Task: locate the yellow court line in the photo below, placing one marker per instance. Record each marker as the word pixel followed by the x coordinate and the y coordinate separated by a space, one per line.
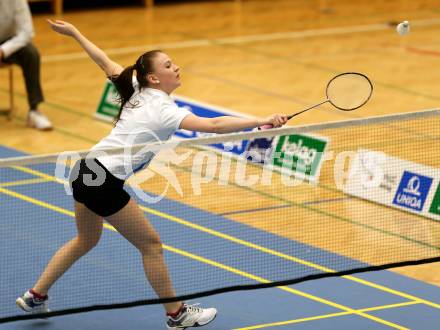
pixel 22 182
pixel 215 264
pixel 282 255
pixel 326 316
pixel 36 202
pixel 39 174
pixel 254 246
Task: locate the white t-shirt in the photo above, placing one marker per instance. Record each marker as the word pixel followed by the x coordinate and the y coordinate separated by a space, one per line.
pixel 149 116
pixel 16 29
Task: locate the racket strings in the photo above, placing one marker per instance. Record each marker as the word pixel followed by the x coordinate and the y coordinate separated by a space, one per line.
pixel 349 91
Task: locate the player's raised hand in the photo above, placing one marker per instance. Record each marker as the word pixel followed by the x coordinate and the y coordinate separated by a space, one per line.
pixel 63 27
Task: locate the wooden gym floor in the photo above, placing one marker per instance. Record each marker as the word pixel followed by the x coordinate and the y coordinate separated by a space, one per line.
pixel 257 58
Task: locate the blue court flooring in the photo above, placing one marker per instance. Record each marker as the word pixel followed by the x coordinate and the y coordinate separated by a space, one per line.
pixel 37 218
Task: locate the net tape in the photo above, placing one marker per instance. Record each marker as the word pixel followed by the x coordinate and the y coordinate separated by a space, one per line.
pixel 221 138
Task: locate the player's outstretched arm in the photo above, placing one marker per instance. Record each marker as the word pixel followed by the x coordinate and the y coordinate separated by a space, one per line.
pixel 228 124
pixel 110 68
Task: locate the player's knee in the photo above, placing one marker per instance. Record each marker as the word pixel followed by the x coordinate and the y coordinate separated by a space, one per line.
pixel 152 247
pixel 89 242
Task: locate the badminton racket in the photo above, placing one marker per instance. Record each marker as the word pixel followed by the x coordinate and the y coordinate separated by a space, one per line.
pixel 347 91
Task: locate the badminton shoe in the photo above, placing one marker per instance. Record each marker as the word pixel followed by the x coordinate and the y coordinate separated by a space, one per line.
pixel 31 304
pixel 191 316
pixel 39 121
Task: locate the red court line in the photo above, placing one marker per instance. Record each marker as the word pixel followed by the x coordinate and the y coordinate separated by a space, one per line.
pixel 421 51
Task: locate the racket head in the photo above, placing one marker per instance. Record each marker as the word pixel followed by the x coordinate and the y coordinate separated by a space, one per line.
pixel 349 91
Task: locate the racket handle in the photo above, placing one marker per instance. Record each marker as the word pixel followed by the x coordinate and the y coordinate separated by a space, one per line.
pixel 264 127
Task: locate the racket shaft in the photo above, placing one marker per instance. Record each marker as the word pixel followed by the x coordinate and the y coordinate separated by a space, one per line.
pixel 312 107
pixel 269 126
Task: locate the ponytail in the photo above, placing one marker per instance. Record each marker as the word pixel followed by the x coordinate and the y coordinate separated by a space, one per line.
pixel 124 86
pixel 124 82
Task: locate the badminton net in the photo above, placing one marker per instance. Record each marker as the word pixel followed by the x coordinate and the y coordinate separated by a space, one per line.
pixel 234 212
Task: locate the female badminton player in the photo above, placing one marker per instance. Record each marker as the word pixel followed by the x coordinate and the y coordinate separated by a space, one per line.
pixel 148 112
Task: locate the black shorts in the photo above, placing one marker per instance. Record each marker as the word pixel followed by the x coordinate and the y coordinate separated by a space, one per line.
pixel 95 187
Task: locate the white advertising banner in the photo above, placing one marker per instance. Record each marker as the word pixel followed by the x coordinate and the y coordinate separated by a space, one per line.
pixel 395 182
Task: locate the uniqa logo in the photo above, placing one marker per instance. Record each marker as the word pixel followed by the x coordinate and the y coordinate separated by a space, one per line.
pixel 412 191
pixel 408 200
pixel 413 186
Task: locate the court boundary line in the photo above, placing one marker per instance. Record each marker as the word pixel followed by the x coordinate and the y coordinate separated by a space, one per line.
pixel 276 207
pixel 22 182
pixel 204 42
pixel 257 247
pixel 286 201
pixel 259 209
pixel 326 316
pixel 192 256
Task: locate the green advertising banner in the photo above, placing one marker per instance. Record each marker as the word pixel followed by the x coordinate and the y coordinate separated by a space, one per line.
pixel 300 154
pixel 108 107
pixel 435 205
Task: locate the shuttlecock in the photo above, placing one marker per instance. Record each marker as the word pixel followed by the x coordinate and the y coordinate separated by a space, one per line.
pixel 403 28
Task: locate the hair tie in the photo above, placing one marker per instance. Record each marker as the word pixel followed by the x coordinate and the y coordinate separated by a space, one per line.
pixel 141 62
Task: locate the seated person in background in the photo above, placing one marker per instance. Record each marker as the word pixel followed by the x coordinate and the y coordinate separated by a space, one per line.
pixel 16 32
